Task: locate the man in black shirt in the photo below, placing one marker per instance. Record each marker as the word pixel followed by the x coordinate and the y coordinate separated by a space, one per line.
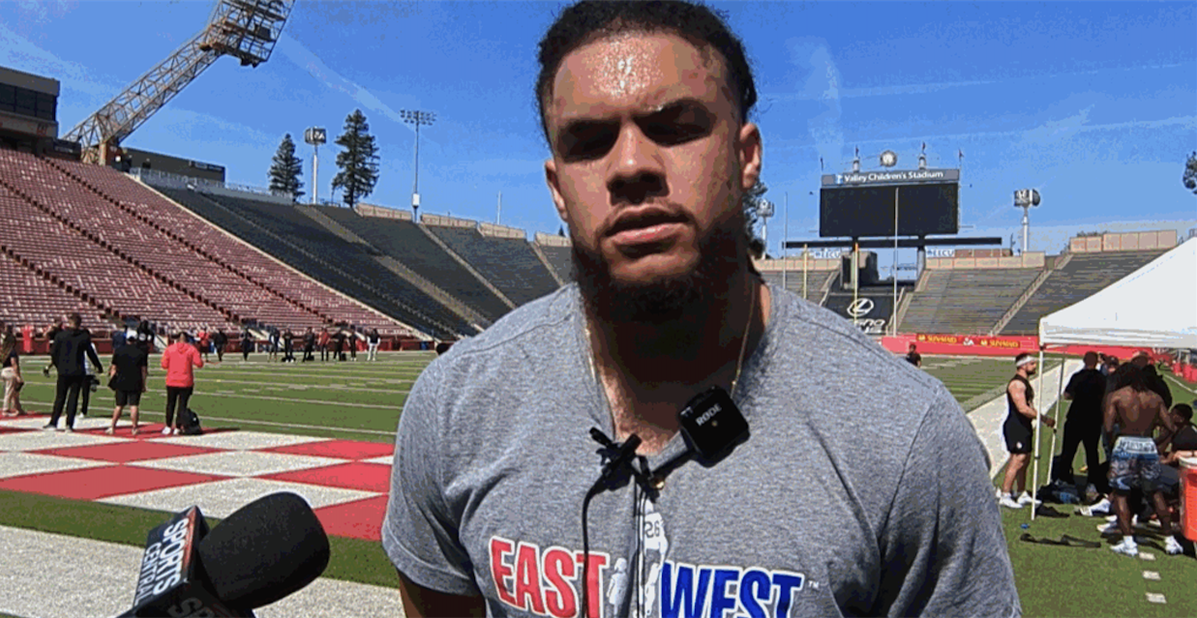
pixel 69 348
pixel 339 345
pixel 247 343
pixel 219 340
pixel 309 345
pixel 913 357
pixel 127 377
pixel 288 347
pixel 1085 390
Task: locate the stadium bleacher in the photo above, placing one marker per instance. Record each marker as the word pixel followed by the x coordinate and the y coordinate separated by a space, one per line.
pixel 1083 275
pixel 407 243
pixel 965 301
pixel 561 260
pixel 80 263
pixel 253 267
pixel 298 241
pixel 508 263
pixel 816 282
pixel 33 299
pixel 159 254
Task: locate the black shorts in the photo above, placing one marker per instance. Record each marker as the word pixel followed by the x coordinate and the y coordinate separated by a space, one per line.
pixel 128 398
pixel 1018 436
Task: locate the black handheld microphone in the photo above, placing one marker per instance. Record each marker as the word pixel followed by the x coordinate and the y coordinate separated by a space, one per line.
pixel 263 552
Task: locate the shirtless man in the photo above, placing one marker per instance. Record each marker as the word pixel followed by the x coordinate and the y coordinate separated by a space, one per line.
pixel 1137 410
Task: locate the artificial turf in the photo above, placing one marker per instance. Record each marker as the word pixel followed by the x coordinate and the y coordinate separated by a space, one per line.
pixel 363 401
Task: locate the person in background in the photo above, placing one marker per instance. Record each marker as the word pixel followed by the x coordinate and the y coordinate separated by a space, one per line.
pixel 1086 389
pixel 323 342
pixel 273 338
pixel 70 346
pixel 11 374
pixel 913 357
pixel 309 345
pixel 204 341
pixel 179 360
pixel 127 376
pixel 372 340
pixel 219 341
pixel 288 346
pixel 247 343
pixel 89 386
pixel 51 331
pixel 353 339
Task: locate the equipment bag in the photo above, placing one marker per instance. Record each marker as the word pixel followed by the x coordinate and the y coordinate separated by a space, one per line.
pixel 191 423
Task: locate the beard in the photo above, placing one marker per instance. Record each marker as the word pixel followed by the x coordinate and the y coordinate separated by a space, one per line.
pixel 667 299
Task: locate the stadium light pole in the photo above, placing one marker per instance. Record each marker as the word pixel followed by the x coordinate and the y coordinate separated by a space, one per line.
pixel 1026 199
pixel 889 158
pixel 315 136
pixel 417 118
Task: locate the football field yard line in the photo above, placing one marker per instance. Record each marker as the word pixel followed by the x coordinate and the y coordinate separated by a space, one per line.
pixel 142 412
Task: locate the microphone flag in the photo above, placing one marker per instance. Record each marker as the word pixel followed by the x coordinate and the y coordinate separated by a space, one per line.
pixel 172 576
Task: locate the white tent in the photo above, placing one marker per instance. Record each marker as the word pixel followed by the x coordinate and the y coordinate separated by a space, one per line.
pixel 1153 307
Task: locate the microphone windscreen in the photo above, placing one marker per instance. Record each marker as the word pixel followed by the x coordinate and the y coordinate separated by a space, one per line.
pixel 264 551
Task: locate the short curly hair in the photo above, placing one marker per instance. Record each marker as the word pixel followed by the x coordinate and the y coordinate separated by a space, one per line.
pixel 585 21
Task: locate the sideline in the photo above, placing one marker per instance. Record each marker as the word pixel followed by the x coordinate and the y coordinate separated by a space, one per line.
pixel 58 576
pixel 142 412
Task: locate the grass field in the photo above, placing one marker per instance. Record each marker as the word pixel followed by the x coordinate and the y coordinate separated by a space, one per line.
pixel 363 401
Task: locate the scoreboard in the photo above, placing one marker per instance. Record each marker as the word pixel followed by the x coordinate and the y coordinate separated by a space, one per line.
pixel 862 204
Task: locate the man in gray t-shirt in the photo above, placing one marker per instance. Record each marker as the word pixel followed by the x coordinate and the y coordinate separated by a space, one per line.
pixel 861 488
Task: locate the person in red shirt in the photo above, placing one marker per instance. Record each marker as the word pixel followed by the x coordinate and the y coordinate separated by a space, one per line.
pixel 27 339
pixel 205 344
pixel 178 360
pixel 323 342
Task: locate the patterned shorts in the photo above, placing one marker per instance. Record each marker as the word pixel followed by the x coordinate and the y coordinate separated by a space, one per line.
pixel 1134 461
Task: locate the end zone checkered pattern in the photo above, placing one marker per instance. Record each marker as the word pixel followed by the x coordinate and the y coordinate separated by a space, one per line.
pixel 345 482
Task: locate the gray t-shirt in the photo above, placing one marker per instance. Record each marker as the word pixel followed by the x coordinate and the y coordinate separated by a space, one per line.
pixel 863 489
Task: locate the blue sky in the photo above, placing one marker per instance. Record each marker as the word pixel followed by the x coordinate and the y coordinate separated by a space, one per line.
pixel 1094 104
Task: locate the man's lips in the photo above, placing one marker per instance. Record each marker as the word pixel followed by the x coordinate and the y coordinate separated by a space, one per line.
pixel 647 226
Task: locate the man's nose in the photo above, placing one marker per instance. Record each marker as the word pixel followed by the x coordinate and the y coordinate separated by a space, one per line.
pixel 637 169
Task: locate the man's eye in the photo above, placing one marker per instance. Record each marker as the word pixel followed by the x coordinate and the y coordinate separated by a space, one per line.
pixel 671 134
pixel 587 142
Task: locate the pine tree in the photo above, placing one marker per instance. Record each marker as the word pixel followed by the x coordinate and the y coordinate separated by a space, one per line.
pixel 358 162
pixel 1190 177
pixel 285 169
pixel 753 202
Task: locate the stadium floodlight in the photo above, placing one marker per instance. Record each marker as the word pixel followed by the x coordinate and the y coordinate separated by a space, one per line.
pixel 315 136
pixel 1026 199
pixel 417 118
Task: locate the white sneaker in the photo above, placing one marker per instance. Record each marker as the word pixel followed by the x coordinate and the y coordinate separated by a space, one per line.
pixel 1172 547
pixel 1025 498
pixel 166 431
pixel 1109 529
pixel 1010 503
pixel 1100 507
pixel 1126 548
pixel 998 493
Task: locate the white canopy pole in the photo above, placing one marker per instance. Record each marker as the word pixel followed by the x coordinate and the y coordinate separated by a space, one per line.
pixel 1035 472
pixel 1059 395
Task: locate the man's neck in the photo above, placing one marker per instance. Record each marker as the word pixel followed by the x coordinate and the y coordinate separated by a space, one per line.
pixel 648 371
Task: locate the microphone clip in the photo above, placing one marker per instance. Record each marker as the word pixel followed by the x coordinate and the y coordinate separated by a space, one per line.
pixel 619 458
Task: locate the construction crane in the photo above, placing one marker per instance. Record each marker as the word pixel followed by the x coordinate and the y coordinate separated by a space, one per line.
pixel 244 29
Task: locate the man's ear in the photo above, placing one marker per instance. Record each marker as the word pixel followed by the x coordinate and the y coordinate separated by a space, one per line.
pixel 553 181
pixel 748 147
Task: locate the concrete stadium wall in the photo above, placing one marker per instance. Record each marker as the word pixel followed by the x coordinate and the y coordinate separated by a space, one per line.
pixel 551 240
pixel 1033 259
pixel 370 210
pixel 1127 241
pixel 444 221
pixel 495 230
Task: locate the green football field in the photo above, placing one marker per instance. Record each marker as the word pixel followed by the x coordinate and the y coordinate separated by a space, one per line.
pixel 363 401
